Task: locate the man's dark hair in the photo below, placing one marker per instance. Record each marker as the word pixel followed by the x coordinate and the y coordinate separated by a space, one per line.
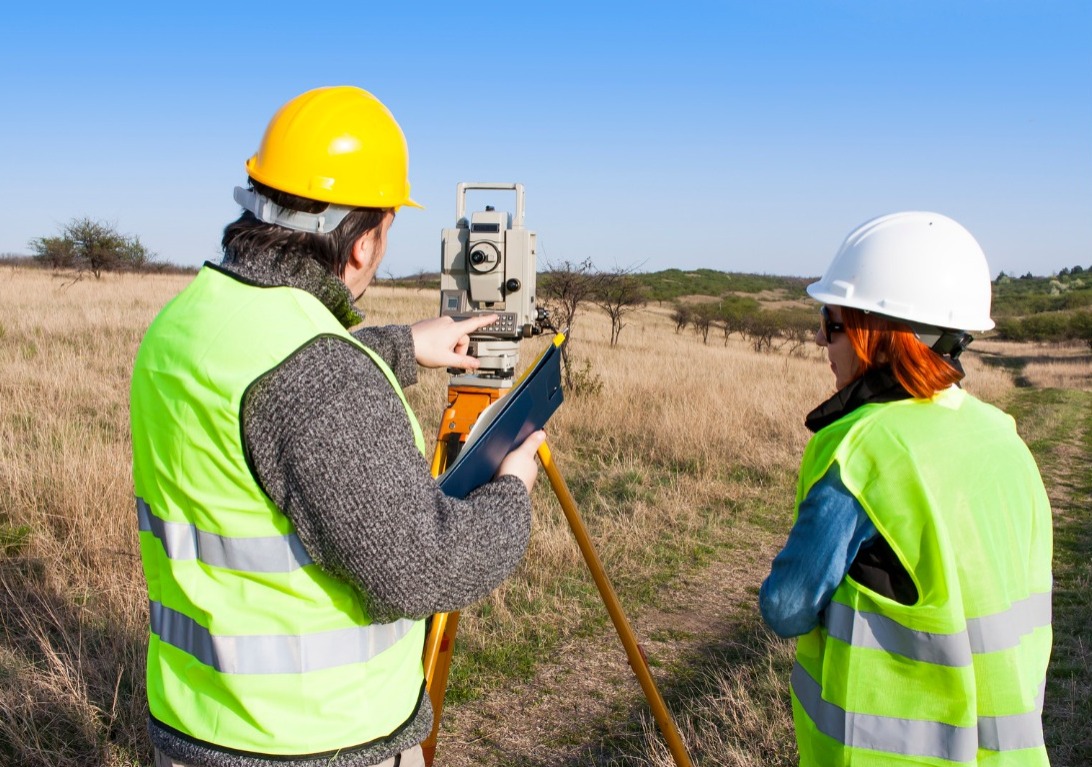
pixel 248 236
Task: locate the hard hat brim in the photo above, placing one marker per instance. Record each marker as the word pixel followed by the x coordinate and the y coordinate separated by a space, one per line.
pixel 833 299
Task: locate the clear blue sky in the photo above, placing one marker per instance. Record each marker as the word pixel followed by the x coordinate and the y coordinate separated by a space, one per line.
pixel 742 136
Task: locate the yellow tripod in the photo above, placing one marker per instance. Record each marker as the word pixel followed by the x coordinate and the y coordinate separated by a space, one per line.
pixel 465 404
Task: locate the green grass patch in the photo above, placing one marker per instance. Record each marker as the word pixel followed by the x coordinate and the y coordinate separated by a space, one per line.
pixel 14 539
pixel 1058 426
pixel 606 490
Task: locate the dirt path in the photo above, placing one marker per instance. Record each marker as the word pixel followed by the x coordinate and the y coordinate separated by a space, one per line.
pixel 1065 466
pixel 586 695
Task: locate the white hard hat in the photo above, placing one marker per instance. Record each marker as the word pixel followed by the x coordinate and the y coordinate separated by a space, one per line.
pixel 918 267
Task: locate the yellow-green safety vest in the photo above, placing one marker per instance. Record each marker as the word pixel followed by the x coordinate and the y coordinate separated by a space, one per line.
pixel 253 647
pixel 959 676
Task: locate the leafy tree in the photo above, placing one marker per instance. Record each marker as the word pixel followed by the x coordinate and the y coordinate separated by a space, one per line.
pixel 92 246
pixel 54 252
pixel 703 320
pixel 1011 329
pixel 733 313
pixel 1080 327
pixel 1048 326
pixel 134 255
pixel 682 315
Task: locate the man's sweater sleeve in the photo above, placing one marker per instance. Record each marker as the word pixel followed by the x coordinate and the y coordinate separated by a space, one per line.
pixel 330 443
pixel 394 345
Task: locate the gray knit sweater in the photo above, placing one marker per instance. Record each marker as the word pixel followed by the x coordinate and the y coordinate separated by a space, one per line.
pixel 330 443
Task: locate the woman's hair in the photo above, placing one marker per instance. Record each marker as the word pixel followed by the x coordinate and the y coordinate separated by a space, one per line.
pixel 879 341
pixel 248 236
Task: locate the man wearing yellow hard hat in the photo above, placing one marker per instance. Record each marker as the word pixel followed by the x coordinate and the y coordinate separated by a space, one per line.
pixel 292 537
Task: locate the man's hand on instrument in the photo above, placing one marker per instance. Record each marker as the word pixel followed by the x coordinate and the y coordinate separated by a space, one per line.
pixel 441 342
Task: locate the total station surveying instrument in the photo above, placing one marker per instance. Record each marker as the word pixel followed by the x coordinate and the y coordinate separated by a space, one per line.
pixel 488 266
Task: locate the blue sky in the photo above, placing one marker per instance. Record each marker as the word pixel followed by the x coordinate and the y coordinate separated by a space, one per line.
pixel 742 136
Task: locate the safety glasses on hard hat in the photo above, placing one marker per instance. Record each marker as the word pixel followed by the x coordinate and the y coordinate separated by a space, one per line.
pixel 827 326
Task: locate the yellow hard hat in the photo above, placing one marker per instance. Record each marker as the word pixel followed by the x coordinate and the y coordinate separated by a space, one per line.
pixel 338 145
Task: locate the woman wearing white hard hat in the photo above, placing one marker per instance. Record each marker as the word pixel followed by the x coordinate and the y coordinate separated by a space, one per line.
pixel 917 574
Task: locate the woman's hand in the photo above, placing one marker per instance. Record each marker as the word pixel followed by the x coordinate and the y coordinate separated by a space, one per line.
pixel 521 461
pixel 441 342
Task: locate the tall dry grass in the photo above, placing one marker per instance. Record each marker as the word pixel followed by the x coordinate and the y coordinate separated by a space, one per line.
pixel 684 448
pixel 72 601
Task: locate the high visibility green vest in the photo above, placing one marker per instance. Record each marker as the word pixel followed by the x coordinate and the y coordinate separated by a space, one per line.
pixel 253 647
pixel 958 677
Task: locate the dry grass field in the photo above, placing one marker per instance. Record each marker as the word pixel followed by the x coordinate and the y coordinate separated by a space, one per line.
pixel 681 462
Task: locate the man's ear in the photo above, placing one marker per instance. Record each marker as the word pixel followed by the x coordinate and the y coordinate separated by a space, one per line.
pixel 361 251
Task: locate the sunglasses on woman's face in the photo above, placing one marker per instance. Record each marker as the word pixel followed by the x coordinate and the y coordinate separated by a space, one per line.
pixel 827 326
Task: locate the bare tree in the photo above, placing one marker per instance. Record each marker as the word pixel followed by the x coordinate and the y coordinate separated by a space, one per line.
pixel 618 293
pixel 561 292
pixel 760 331
pixel 563 288
pixel 423 280
pixel 796 338
pixel 797 329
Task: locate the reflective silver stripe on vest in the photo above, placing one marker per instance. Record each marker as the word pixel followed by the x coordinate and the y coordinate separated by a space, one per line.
pixel 1011 733
pixel 182 541
pixel 1003 631
pixel 915 737
pixel 275 654
pixel 877 632
pixel 992 633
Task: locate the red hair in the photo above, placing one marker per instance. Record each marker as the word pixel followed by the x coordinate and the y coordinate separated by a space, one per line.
pixel 878 341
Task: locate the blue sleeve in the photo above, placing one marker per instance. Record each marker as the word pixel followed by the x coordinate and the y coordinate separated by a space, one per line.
pixel 830 528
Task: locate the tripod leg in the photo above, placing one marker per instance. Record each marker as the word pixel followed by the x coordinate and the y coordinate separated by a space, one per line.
pixel 438 625
pixel 438 646
pixel 464 407
pixel 438 649
pixel 634 652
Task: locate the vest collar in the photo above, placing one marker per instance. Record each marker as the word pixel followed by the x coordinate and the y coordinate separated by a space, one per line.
pixel 278 270
pixel 878 385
